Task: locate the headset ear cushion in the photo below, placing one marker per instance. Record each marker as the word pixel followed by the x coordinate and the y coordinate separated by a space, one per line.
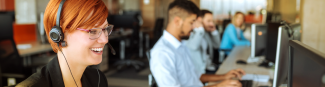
pixel 56 34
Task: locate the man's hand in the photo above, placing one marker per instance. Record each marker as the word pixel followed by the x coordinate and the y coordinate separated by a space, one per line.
pixel 236 73
pixel 197 24
pixel 228 83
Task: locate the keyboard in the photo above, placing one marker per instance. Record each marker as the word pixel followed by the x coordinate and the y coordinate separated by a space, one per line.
pixel 246 83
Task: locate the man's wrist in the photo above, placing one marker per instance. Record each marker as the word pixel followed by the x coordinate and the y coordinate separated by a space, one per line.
pixel 223 77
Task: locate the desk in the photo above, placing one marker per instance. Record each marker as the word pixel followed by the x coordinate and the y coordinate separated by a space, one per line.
pixel 37 47
pixel 242 53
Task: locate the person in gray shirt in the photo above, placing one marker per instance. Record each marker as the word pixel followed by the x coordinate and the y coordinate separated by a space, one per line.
pixel 204 38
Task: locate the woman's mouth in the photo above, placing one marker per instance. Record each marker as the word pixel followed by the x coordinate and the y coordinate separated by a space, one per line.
pixel 97 50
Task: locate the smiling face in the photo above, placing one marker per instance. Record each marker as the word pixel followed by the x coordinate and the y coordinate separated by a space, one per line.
pixel 83 50
pixel 207 22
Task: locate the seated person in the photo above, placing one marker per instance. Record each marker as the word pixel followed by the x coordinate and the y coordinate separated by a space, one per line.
pixel 202 41
pixel 85 29
pixel 233 35
pixel 170 61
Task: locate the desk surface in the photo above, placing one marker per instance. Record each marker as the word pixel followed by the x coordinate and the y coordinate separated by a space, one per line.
pixel 242 53
pixel 36 47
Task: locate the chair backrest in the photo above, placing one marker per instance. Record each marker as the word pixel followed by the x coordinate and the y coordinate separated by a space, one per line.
pixel 6 26
pixel 7 43
pixel 224 26
pixel 158 29
pixel 9 55
pixel 148 55
pixel 152 81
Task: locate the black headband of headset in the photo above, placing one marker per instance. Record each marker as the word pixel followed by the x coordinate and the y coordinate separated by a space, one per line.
pixel 59 13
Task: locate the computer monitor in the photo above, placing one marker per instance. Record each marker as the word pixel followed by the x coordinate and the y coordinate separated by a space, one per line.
pixel 258 43
pixel 271 41
pixel 282 57
pixel 122 21
pixel 307 66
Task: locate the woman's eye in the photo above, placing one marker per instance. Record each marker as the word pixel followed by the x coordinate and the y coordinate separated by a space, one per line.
pixel 92 32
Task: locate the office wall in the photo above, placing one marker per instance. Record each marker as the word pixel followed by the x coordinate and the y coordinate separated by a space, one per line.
pixel 148 13
pixel 287 9
pixel 312 20
pixel 131 5
pixel 7 5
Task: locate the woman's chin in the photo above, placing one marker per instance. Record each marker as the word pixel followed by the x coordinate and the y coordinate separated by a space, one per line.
pixel 95 61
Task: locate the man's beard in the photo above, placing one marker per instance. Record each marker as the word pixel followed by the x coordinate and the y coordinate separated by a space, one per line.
pixel 183 35
pixel 208 27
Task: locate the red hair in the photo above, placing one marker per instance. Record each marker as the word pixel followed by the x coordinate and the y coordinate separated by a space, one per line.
pixel 75 13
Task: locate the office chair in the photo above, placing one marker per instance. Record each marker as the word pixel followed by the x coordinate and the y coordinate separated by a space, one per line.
pixel 9 53
pixel 222 52
pixel 224 25
pixel 158 30
pixel 128 21
pixel 152 81
pixel 135 63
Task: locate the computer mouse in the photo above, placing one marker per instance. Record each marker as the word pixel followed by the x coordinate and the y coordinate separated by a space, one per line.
pixel 241 62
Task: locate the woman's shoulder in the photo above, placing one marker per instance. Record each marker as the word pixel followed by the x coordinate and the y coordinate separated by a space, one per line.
pixel 231 26
pixel 93 74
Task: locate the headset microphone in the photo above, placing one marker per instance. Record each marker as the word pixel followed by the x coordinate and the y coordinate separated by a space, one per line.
pixel 112 49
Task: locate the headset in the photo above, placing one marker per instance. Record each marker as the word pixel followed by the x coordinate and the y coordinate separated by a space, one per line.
pixel 57 36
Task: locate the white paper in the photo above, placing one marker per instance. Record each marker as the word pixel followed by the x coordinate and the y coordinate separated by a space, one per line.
pixel 256 77
pixel 24 46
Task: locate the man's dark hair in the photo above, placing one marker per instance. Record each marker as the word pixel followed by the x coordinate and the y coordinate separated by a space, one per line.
pixel 182 6
pixel 203 12
pixel 188 6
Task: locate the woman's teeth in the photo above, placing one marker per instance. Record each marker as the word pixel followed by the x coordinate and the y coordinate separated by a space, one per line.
pixel 96 49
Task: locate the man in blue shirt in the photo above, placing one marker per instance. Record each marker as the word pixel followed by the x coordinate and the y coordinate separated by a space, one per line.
pixel 170 61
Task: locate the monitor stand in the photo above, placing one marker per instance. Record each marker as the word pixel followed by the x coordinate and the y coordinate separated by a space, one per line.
pixel 255 59
pixel 266 64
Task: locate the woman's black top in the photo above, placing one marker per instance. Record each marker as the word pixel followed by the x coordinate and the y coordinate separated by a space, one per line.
pixel 51 76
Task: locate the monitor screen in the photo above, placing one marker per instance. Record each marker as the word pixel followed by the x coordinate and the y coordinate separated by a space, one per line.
pixel 307 66
pixel 259 32
pixel 282 57
pixel 271 41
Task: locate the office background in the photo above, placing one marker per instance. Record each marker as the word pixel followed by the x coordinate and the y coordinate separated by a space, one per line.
pixel 309 13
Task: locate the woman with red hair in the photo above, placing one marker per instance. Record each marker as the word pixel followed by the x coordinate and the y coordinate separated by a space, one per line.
pixel 77 31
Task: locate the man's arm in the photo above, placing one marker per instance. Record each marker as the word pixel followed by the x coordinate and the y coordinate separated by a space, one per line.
pixel 227 83
pixel 211 77
pixel 215 39
pixel 195 39
pixel 235 73
pixel 233 37
pixel 163 68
